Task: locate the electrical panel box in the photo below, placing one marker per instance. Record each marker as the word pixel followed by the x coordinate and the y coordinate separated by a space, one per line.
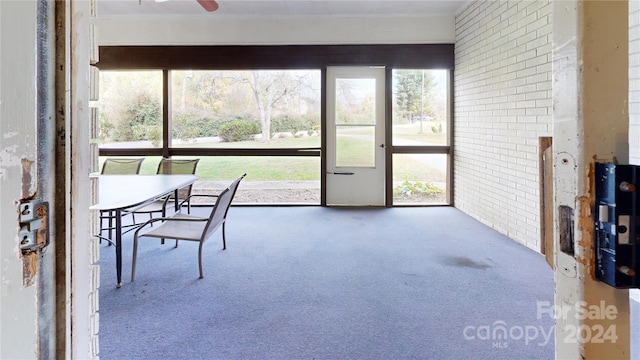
pixel 617 246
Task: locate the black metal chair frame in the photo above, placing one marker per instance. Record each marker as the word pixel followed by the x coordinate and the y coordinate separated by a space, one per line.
pixel 108 215
pixel 193 228
pixel 160 205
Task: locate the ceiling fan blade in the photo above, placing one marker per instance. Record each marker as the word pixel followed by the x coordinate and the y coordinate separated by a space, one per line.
pixel 209 5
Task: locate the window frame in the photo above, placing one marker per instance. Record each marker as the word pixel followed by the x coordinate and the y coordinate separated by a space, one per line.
pixel 283 57
pixel 419 149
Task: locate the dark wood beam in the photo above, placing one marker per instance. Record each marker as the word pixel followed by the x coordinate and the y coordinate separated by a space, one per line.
pixel 243 57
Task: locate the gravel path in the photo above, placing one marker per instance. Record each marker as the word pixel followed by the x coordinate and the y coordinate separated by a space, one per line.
pixel 286 192
pixel 266 192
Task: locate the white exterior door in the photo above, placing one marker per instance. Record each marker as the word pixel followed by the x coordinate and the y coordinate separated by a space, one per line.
pixel 355 136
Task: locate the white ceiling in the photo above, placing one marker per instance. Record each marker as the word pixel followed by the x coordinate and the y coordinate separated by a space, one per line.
pixel 280 8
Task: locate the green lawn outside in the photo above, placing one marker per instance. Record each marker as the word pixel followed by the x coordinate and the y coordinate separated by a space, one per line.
pixel 427 136
pixel 289 142
pixel 350 151
pixel 407 167
pixel 266 168
pixel 355 152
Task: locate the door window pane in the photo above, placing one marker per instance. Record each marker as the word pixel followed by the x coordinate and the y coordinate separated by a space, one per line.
pixel 130 109
pixel 420 179
pixel 355 101
pixel 355 122
pixel 246 109
pixel 355 146
pixel 420 107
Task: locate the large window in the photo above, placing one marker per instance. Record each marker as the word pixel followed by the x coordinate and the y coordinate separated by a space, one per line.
pixel 259 110
pixel 248 109
pixel 275 179
pixel 225 110
pixel 420 107
pixel 420 136
pixel 130 109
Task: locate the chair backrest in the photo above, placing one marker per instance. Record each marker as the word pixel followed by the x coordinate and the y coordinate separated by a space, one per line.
pixel 169 166
pixel 219 212
pixel 182 166
pixel 121 166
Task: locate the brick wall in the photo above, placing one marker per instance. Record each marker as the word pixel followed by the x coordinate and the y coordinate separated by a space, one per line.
pixel 94 225
pixel 634 82
pixel 502 107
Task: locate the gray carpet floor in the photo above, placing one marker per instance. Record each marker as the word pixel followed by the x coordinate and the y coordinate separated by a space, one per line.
pixel 327 283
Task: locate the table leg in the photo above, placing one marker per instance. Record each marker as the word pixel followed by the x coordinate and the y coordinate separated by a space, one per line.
pixel 176 206
pixel 119 247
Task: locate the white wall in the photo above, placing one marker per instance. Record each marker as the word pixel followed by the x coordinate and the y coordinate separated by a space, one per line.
pixel 502 106
pixel 272 31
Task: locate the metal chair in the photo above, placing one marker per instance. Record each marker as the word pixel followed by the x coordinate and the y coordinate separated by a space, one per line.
pixel 188 227
pixel 168 167
pixel 121 166
pixel 117 166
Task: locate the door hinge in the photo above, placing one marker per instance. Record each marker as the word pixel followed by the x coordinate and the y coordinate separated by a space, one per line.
pixel 34 226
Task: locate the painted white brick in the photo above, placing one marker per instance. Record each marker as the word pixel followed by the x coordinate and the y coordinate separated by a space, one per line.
pixel 536 95
pixel 518 96
pixel 515 67
pixel 545 103
pixel 526 104
pixel 507 13
pixel 541 24
pixel 537 60
pixel 545 68
pixel 515 51
pixel 529 40
pixel 527 72
pixel 526 89
pixel 516 34
pixel 536 41
pixel 537 7
pixel 541 80
pixel 503 104
pixel 536 111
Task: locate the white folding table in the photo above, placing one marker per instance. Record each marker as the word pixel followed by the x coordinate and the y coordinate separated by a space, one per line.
pixel 119 193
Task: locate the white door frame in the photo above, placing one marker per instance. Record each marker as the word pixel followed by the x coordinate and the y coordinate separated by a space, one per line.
pixel 349 185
